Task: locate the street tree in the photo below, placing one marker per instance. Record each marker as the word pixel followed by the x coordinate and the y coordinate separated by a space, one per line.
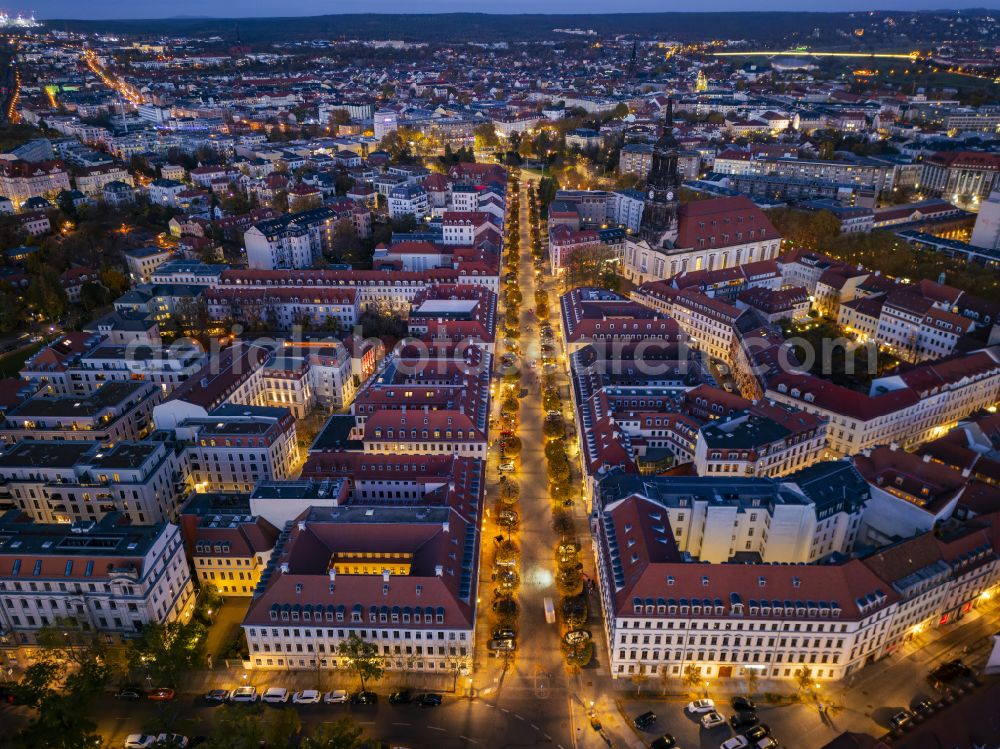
pixel 167 651
pixel 341 734
pixel 362 658
pixel 692 677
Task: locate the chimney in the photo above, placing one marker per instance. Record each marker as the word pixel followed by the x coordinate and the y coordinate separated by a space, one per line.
pixel 446 527
pixel 894 446
pixel 333 574
pixel 302 525
pixel 284 568
pixel 385 576
pixel 927 457
pixel 439 570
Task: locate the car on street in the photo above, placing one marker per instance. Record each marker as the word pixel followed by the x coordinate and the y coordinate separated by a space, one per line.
pixel 129 692
pixel 336 697
pixel 735 742
pixel 947 673
pixel 923 708
pixel 743 704
pixel 645 720
pixel 7 694
pixel 429 699
pixel 172 739
pixel 139 740
pixel 161 694
pixel 666 741
pixel 275 695
pixel 500 644
pixel 216 696
pixel 758 732
pixel 244 695
pixel 504 634
pixel 767 742
pixel 712 720
pixel 306 697
pixel 508 466
pixel 744 720
pixel 404 697
pixel 701 706
pixel 901 720
pixel 364 698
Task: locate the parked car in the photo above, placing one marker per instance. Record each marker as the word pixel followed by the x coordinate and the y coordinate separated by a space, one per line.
pixel 306 697
pixel 172 739
pixel 430 699
pixel 742 704
pixel 336 697
pixel 404 697
pixel 744 720
pixel 7 694
pixel 923 708
pixel 701 706
pixel 364 698
pixel 645 720
pixel 139 740
pixel 901 720
pixel 666 741
pixel 758 732
pixel 712 720
pixel 161 694
pixel 245 694
pixel 129 692
pixel 504 634
pixel 500 645
pixel 216 696
pixel 735 742
pixel 767 742
pixel 508 466
pixel 275 695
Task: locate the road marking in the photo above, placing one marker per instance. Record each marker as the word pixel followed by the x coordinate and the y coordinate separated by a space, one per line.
pixel 518 716
pixel 402 724
pixel 471 741
pixel 534 726
pixel 505 710
pixel 435 728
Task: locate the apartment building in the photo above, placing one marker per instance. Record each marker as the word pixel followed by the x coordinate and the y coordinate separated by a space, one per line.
pixel 236 446
pixel 437 402
pixel 297 240
pixel 142 261
pixel 665 615
pixel 401 577
pixel 907 408
pixel 64 481
pixel 597 316
pixel 281 308
pixel 709 323
pixel 228 547
pixel 768 439
pixel 21 180
pixel 113 412
pixel 454 313
pixel 109 576
pixel 80 368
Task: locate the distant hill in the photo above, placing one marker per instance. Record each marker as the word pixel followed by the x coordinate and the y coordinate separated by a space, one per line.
pixel 464 27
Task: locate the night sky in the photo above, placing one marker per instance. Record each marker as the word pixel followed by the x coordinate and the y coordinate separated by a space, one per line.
pixel 92 9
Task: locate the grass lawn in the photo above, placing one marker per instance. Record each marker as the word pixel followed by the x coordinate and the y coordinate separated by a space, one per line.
pixel 10 364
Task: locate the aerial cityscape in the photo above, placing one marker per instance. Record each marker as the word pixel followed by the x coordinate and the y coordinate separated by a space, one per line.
pixel 410 378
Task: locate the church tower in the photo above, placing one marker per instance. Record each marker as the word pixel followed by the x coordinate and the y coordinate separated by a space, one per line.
pixel 659 217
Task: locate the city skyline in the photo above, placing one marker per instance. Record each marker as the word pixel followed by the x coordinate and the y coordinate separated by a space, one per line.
pixel 184 9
